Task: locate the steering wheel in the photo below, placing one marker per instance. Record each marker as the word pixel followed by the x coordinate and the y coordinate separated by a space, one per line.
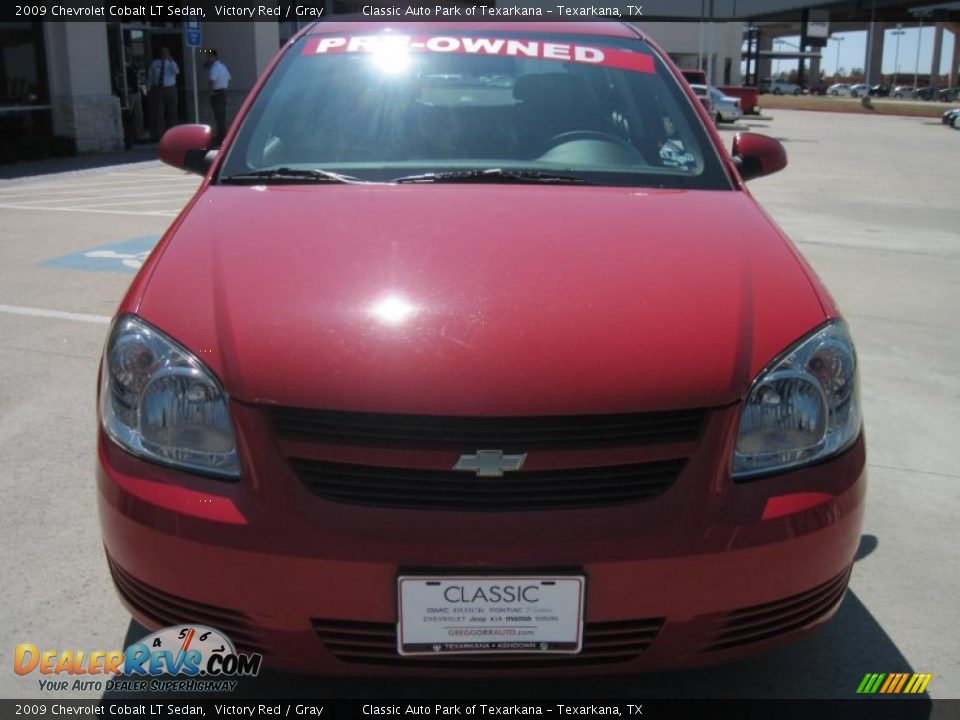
pixel 574 135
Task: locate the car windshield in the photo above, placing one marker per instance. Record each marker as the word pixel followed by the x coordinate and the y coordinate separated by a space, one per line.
pixel 453 107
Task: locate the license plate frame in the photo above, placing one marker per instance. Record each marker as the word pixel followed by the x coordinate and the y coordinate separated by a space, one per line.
pixel 538 614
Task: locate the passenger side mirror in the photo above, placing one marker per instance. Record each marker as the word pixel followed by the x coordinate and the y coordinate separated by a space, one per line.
pixel 187 147
pixel 757 155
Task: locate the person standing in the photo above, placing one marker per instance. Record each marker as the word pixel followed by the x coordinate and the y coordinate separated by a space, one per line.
pixel 163 94
pixel 219 77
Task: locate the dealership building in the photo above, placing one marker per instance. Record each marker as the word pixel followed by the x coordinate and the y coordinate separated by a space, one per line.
pixel 63 83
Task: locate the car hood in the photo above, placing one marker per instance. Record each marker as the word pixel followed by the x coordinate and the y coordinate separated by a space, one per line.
pixel 465 299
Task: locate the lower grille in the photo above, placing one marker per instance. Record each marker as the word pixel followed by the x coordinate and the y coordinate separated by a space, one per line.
pixel 452 490
pixel 764 622
pixel 604 643
pixel 166 610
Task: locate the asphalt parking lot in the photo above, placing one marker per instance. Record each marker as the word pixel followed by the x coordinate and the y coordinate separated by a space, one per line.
pixel 870 202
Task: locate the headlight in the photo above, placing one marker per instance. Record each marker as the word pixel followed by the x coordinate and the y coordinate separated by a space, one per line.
pixel 160 402
pixel 803 408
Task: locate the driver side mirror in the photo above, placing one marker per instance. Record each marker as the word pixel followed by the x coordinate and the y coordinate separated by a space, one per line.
pixel 757 155
pixel 187 147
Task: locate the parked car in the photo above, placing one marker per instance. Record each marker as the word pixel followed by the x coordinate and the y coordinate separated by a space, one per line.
pixel 725 108
pixel 706 98
pixel 949 94
pixel 838 89
pixel 749 97
pixel 904 91
pixel 422 348
pixel 859 90
pixel 927 93
pixel 948 116
pixel 880 90
pixel 782 87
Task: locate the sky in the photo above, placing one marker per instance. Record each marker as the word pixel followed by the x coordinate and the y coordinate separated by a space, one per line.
pixel 853 51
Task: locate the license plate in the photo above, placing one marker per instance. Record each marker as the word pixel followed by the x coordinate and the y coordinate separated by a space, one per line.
pixel 491 614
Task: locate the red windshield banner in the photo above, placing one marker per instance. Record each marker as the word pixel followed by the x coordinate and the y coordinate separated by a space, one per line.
pixel 392 45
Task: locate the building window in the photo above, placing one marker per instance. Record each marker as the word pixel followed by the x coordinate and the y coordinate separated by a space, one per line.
pixel 686 61
pixel 25 124
pixel 23 77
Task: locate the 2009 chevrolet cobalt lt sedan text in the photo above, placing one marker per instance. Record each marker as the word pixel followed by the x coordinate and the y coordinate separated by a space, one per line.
pixel 472 353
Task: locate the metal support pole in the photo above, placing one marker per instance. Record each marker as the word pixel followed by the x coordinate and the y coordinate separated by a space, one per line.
pixel 870 33
pixel 836 70
pixel 916 65
pixel 700 41
pixel 896 55
pixel 937 60
pixel 196 82
pixel 710 48
pixel 952 75
pixel 805 19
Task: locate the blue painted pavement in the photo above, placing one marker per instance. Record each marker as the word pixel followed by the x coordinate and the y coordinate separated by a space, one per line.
pixel 125 257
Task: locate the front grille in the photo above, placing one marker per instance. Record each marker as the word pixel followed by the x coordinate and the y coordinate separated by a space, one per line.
pixel 453 490
pixel 467 434
pixel 764 622
pixel 165 609
pixel 604 643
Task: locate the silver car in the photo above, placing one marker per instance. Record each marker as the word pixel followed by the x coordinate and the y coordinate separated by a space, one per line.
pixel 725 108
pixel 783 87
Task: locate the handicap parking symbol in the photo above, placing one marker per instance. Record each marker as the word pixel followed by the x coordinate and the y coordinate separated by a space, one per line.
pixel 125 257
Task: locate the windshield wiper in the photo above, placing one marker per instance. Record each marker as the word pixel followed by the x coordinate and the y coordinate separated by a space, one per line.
pixel 290 176
pixel 494 175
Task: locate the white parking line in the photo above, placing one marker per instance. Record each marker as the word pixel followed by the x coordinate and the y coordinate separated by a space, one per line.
pixel 55 314
pixel 119 187
pixel 155 213
pixel 182 176
pixel 85 202
pixel 161 196
pixel 104 179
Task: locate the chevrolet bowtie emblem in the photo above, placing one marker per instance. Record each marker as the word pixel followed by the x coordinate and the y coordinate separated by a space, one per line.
pixel 490 463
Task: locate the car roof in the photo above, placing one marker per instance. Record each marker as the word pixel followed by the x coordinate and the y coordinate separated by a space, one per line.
pixel 608 29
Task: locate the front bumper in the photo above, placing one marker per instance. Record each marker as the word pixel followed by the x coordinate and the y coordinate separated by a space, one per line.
pixel 709 571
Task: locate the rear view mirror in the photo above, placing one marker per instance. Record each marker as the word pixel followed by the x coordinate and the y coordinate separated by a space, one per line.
pixel 758 155
pixel 187 147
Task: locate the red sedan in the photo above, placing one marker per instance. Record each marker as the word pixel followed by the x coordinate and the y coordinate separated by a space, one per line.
pixel 473 353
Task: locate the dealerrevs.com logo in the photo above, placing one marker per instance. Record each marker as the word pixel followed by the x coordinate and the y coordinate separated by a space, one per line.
pixel 184 658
